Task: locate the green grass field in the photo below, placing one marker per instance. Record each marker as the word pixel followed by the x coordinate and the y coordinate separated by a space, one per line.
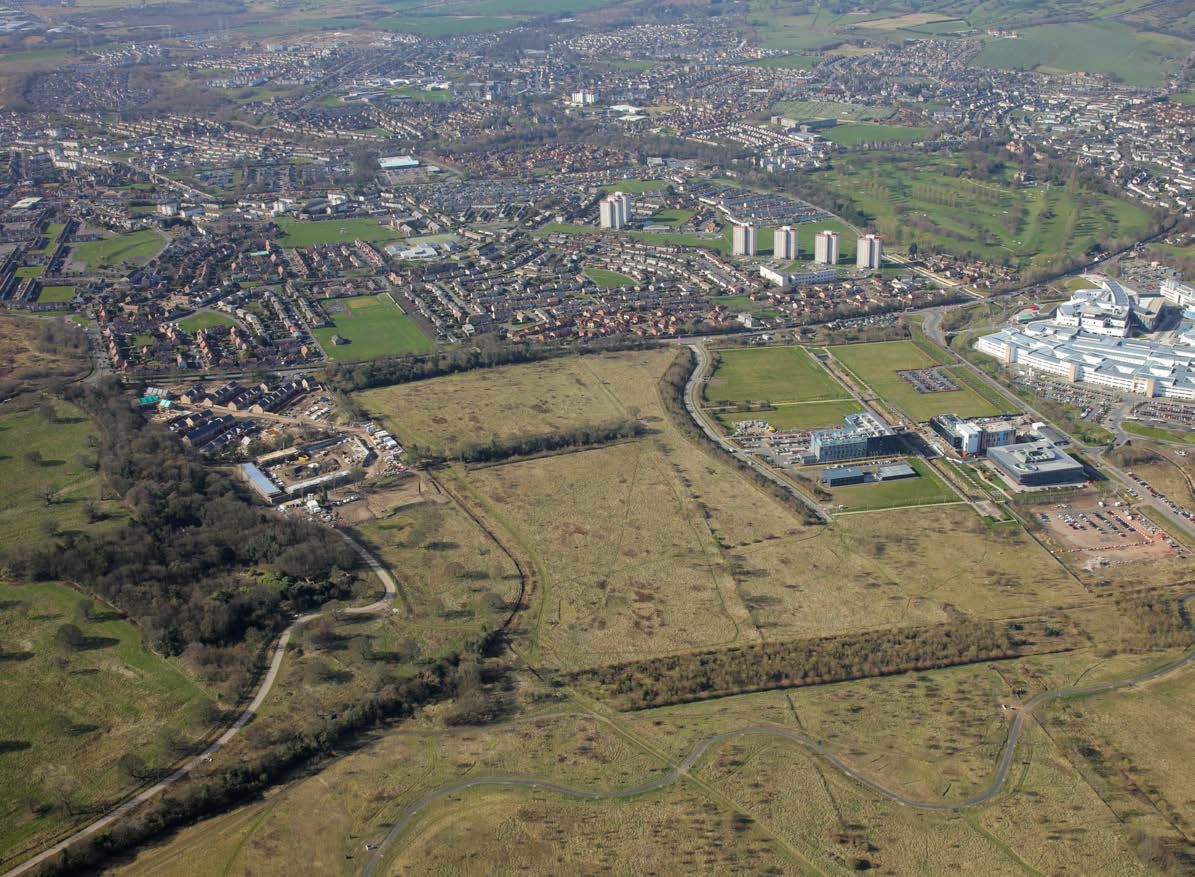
pixel 794 415
pixel 1134 56
pixel 305 233
pixel 932 201
pixel 205 320
pixel 67 716
pixel 1157 432
pixel 926 489
pixel 374 326
pixel 137 247
pixel 56 294
pixel 770 374
pixel 428 95
pixel 636 187
pixel 854 134
pixel 605 277
pixel 27 272
pixel 62 466
pixel 878 364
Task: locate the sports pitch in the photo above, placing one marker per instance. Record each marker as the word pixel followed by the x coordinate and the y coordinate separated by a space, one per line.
pixel 373 326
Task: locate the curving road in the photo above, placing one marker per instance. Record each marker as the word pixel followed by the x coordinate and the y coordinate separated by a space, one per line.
pixel 267 683
pixel 691 393
pixel 1003 764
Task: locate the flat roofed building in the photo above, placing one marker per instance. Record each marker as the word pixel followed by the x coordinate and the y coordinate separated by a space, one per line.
pixel 1130 365
pixel 895 471
pixel 839 476
pixel 861 435
pixel 1037 464
pixel 260 482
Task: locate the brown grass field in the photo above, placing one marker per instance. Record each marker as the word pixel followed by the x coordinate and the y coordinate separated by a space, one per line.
pixel 654 546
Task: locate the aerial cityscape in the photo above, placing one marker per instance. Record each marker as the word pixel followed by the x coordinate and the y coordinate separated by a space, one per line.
pixel 597 437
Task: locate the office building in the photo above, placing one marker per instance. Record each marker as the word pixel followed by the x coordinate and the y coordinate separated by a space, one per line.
pixel 861 435
pixel 971 438
pixel 870 252
pixel 785 244
pixel 1037 464
pixel 825 247
pixel 745 239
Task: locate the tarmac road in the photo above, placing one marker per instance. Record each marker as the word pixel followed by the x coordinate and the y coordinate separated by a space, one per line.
pixel 1003 764
pixel 243 719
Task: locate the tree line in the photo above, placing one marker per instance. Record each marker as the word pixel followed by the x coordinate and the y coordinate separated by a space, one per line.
pixel 526 445
pixel 672 396
pixel 180 567
pixel 702 675
pixel 384 371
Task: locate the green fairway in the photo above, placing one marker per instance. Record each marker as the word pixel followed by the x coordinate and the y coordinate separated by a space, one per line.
pixel 877 365
pixel 205 320
pixel 305 233
pixel 933 201
pixel 795 415
pixel 925 489
pixel 137 247
pixel 860 132
pixel 56 294
pixel 607 278
pixel 1138 57
pixel 770 374
pixel 68 715
pixel 374 326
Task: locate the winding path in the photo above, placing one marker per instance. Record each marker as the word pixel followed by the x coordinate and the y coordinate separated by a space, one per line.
pixel 1003 764
pixel 267 683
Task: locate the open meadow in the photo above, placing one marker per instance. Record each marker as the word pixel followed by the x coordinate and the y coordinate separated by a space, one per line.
pixel 48 469
pixel 878 365
pixel 516 400
pixel 137 247
pixel 86 712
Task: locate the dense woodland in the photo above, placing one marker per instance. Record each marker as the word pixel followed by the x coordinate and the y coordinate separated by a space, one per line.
pixel 199 568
